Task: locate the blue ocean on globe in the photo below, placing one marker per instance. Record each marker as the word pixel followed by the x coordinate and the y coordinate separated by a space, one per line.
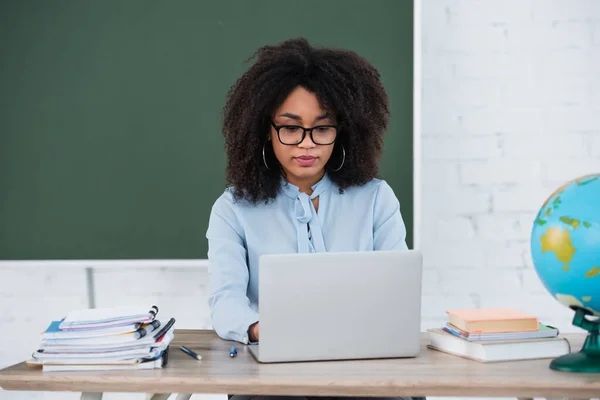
pixel 565 243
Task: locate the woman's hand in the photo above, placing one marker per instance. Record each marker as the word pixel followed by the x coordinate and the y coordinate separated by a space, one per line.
pixel 253 332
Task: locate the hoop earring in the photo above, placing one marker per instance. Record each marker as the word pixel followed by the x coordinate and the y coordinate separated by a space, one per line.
pixel 264 158
pixel 343 159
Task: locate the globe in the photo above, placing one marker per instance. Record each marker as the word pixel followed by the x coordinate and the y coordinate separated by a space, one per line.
pixel 565 243
pixel 565 248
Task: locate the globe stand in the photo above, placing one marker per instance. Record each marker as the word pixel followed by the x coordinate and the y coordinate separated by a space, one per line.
pixel 588 358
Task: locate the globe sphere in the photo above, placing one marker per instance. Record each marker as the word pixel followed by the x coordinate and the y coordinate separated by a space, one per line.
pixel 565 243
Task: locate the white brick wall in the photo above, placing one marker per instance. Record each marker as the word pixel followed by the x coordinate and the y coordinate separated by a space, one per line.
pixel 510 110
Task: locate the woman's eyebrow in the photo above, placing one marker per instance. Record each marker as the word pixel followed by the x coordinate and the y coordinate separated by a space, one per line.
pixel 291 116
pixel 299 118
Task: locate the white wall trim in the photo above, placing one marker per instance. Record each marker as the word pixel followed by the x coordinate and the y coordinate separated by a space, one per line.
pixel 98 264
pixel 417 47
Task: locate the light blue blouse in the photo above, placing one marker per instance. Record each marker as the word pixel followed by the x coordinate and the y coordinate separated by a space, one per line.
pixel 364 218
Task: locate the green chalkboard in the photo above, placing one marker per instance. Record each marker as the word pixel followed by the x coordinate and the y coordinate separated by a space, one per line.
pixel 110 141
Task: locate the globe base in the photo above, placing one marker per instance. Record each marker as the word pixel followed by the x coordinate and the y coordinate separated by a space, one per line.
pixel 576 362
pixel 588 358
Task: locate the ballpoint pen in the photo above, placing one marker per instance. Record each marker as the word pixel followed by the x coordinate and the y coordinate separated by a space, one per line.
pixel 233 351
pixel 191 353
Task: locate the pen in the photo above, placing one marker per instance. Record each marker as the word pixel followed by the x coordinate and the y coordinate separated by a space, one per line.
pixel 233 351
pixel 191 353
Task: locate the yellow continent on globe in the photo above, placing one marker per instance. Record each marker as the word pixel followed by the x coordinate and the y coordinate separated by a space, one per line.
pixel 593 272
pixel 559 243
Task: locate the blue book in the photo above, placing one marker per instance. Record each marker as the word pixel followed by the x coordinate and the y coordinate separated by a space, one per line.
pixel 54 332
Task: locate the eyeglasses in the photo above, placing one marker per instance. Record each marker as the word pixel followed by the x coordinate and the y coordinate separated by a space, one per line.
pixel 293 134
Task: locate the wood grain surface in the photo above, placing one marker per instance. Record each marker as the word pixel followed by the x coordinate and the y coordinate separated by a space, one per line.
pixel 432 373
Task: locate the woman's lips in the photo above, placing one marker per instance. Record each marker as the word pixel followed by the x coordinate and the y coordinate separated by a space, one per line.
pixel 305 161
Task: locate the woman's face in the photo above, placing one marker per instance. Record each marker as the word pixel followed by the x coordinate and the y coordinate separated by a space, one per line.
pixel 303 163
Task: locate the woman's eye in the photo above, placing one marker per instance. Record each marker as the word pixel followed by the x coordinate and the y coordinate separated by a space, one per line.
pixel 291 129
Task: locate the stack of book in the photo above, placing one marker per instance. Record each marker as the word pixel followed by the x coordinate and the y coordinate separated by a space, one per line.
pixel 497 334
pixel 119 338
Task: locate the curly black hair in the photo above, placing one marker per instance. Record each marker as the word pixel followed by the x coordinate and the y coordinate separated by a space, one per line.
pixel 347 86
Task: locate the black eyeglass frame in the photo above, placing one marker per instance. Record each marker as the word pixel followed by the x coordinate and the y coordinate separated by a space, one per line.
pixel 304 130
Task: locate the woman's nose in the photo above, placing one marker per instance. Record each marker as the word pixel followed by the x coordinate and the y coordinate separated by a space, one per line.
pixel 307 142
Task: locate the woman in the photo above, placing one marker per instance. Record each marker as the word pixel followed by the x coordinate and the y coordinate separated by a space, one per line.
pixel 303 133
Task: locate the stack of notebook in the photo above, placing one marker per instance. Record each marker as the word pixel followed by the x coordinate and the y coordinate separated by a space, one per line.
pixel 119 338
pixel 497 334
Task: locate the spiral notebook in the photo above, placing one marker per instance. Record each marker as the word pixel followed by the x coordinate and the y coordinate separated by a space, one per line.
pixel 91 318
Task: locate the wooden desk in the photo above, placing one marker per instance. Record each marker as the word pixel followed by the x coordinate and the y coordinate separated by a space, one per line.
pixel 431 374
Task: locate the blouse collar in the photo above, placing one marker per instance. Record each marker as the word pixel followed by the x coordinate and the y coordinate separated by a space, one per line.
pixel 293 191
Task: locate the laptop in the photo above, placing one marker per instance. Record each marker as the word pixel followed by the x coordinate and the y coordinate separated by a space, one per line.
pixel 339 306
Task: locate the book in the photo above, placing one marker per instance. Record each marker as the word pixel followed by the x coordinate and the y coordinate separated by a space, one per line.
pixel 108 317
pixel 138 336
pixel 544 331
pixel 492 320
pixel 158 362
pixel 53 331
pixel 498 350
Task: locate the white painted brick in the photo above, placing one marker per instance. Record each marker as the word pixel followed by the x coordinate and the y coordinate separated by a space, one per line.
pixel 433 323
pixel 575 62
pixel 23 318
pixel 532 283
pixel 541 96
pixel 506 254
pixel 566 10
pixel 460 148
pixel 467 200
pixel 594 87
pixel 435 306
pixel 549 145
pixel 571 119
pixel 544 306
pixel 477 281
pixel 559 172
pixel 527 258
pixel 500 171
pixel 482 92
pixel 465 39
pixel 158 281
pixel 482 65
pixel 452 228
pixel 438 13
pixel 456 255
pixel 447 121
pixel 503 120
pixel 541 91
pixel 548 36
pixel 482 12
pixel 595 147
pixel 440 174
pixel 32 281
pixel 519 197
pixel 431 280
pixel 435 66
pixel 497 225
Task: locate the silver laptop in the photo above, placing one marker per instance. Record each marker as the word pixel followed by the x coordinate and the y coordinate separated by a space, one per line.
pixel 336 306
